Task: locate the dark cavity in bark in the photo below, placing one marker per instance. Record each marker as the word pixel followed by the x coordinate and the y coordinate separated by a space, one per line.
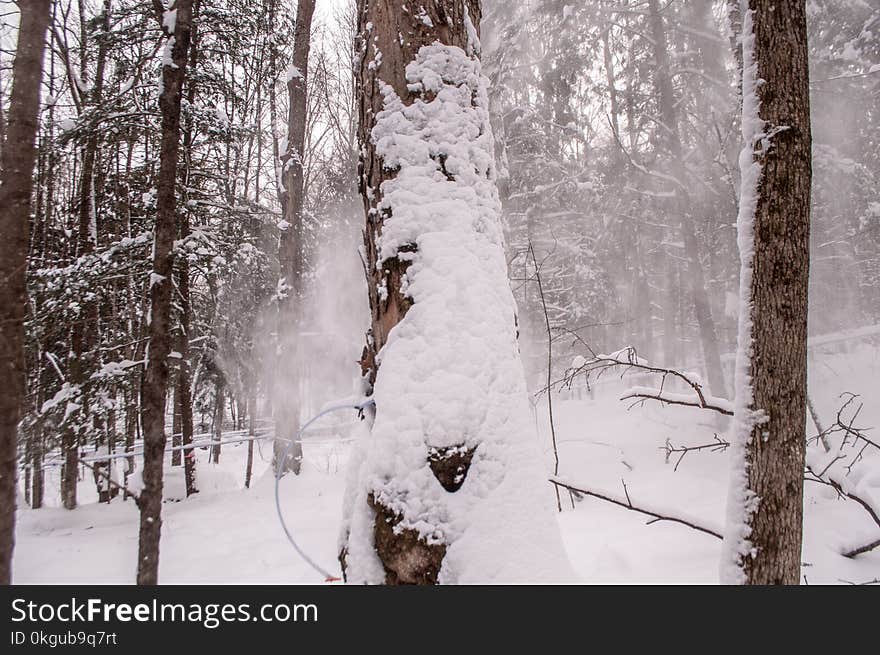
pixel 450 465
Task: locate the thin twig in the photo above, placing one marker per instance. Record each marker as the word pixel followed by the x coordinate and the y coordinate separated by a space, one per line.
pixel 720 445
pixel 531 251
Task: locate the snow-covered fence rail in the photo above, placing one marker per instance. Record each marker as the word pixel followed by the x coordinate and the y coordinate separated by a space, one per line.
pixel 103 457
pixel 205 440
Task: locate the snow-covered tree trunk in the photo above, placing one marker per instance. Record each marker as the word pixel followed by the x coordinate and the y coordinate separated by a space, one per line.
pixel 291 251
pixel 765 507
pixel 177 24
pixel 449 485
pixel 16 185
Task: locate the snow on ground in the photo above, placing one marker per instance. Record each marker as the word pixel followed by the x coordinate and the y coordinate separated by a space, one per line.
pixel 224 534
pixel 228 534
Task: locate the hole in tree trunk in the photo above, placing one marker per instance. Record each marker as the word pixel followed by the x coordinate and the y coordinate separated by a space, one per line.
pixel 450 465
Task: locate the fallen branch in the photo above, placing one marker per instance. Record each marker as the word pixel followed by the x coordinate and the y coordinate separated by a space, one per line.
pixel 867 548
pixel 627 504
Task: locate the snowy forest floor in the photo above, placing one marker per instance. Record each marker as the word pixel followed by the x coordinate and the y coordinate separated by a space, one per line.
pixel 228 534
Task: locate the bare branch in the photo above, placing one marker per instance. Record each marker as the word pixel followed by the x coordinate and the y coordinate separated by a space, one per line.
pixel 862 549
pixel 627 503
pixel 720 445
pixel 537 266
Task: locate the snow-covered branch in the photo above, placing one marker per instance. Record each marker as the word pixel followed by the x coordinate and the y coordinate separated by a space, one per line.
pixel 844 489
pixel 628 359
pixel 720 405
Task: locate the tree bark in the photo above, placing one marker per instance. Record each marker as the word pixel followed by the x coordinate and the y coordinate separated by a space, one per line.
pixel 184 373
pixel 767 493
pixel 217 423
pixel 184 378
pixel 19 155
pixel 176 430
pixel 37 477
pixel 155 387
pixel 252 431
pixel 131 421
pixel 291 255
pixel 87 237
pixel 70 467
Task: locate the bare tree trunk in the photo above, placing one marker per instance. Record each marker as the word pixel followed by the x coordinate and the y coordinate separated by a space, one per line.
pixel 155 387
pixel 291 255
pixel 184 373
pixel 38 479
pixel 176 429
pixel 252 431
pixel 87 236
pixel 2 124
pixel 28 476
pixel 609 80
pixel 671 339
pixel 70 467
pixel 112 489
pixel 763 544
pixel 19 155
pixel 184 381
pixel 131 419
pixel 217 425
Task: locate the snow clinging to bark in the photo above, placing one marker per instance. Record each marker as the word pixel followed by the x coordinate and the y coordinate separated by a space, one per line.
pixel 450 373
pixel 742 502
